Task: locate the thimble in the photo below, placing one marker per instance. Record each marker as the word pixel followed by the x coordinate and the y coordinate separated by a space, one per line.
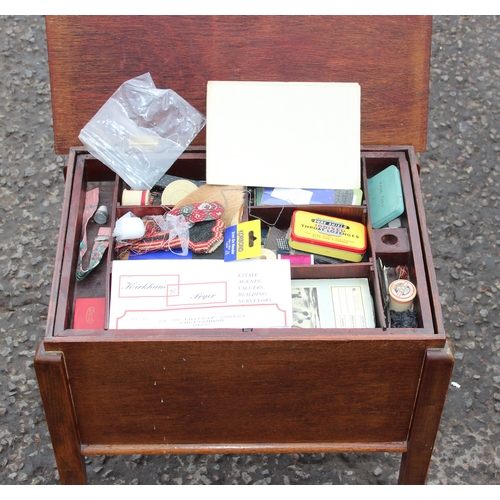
pixel 101 215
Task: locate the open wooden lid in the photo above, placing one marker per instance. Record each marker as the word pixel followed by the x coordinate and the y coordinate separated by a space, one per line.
pixel 389 56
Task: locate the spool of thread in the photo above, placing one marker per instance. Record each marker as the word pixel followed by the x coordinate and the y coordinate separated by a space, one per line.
pixel 401 294
pixel 266 254
pixel 131 197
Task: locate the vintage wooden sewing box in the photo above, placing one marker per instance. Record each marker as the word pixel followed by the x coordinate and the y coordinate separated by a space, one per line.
pixel 382 389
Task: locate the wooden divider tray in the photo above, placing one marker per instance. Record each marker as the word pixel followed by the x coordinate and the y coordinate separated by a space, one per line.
pixel 399 246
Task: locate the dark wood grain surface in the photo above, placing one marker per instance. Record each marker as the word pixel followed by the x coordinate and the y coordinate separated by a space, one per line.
pixel 190 389
pixel 61 419
pixel 90 57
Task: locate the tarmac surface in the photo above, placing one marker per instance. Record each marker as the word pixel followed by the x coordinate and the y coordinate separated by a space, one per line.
pixel 459 174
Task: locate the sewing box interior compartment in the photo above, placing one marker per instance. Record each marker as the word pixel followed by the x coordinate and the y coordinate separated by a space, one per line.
pixel 392 247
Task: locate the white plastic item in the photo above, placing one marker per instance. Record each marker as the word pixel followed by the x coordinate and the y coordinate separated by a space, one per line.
pixel 141 131
pixel 129 227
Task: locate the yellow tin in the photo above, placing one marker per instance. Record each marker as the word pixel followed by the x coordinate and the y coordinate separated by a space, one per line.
pixel 330 236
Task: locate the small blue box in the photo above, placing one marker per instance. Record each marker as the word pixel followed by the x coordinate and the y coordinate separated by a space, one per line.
pixel 385 197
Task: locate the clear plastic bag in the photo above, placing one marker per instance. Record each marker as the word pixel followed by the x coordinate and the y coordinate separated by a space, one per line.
pixel 141 130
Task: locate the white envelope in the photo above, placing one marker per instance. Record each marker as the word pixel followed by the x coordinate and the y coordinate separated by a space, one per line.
pixel 284 134
pixel 164 294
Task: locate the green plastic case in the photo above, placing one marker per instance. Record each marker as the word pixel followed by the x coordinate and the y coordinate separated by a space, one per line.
pixel 385 197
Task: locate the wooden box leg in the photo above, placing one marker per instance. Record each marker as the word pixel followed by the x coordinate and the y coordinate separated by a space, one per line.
pixel 56 398
pixel 436 377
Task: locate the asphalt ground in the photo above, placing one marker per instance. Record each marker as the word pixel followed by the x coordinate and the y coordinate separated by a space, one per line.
pixel 459 174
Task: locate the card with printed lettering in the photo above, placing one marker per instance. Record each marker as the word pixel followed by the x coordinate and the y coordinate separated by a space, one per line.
pixel 243 241
pixel 199 294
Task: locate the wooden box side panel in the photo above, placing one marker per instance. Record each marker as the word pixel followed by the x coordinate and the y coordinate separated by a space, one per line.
pixel 91 56
pixel 426 248
pixel 230 392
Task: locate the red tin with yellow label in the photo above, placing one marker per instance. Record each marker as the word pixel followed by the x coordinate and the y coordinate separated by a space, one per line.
pixel 329 236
